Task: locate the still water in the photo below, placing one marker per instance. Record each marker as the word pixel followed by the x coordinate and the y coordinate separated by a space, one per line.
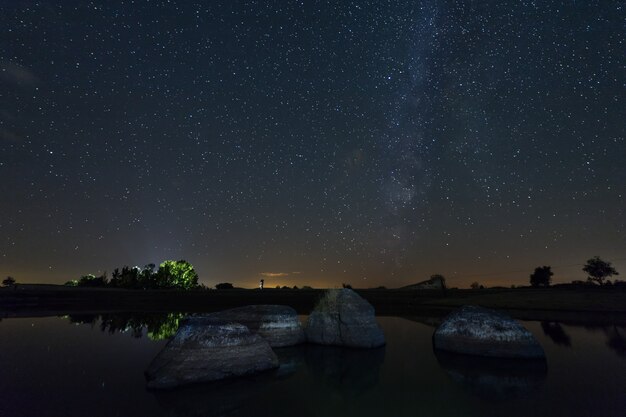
pixel 69 366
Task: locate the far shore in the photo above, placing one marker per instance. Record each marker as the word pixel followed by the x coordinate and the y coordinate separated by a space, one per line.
pixel 593 304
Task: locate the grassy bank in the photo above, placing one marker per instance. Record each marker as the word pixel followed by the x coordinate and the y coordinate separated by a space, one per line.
pixel 524 303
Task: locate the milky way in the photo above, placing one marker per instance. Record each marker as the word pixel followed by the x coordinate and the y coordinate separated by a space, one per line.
pixel 312 142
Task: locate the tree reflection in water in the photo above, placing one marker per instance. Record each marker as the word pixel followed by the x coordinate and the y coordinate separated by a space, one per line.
pixel 556 332
pixel 617 340
pixel 157 326
pixel 615 337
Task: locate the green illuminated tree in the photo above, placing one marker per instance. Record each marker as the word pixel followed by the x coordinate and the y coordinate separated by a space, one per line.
pixel 176 274
pixel 598 270
pixel 541 277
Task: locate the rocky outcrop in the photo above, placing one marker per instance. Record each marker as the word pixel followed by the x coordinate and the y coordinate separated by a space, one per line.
pixel 343 318
pixel 277 324
pixel 206 349
pixel 479 331
pixel 436 282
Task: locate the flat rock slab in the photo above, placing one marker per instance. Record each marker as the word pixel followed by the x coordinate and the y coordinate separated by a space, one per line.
pixel 277 324
pixel 343 318
pixel 206 349
pixel 479 331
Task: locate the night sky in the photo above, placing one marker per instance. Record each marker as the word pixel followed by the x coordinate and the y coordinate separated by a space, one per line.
pixel 313 142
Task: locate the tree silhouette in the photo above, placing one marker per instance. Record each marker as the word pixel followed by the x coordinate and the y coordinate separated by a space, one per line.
pixel 226 286
pixel 8 282
pixel 475 285
pixel 541 277
pixel 92 281
pixel 598 270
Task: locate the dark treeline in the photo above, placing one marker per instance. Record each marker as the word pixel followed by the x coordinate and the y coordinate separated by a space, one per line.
pixel 169 275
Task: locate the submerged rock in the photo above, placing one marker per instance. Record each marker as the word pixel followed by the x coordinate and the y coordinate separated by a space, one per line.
pixel 277 324
pixel 206 349
pixel 343 318
pixel 479 331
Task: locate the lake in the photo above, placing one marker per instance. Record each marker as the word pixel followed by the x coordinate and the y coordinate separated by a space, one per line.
pixel 93 366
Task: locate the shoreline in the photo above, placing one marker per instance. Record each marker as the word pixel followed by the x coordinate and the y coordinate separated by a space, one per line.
pixel 545 304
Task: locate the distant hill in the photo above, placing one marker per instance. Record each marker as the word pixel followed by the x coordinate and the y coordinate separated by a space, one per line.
pixel 435 283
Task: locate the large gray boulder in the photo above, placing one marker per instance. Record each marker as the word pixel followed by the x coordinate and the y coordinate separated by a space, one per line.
pixel 205 349
pixel 343 318
pixel 277 324
pixel 479 331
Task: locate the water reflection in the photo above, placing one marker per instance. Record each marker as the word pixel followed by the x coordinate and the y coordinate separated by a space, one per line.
pixel 157 326
pixel 615 337
pixel 617 340
pixel 330 372
pixel 70 371
pixel 343 371
pixel 494 378
pixel 556 332
pixel 228 398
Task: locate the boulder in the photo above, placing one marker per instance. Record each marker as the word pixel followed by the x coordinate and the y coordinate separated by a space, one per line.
pixel 479 331
pixel 343 318
pixel 279 325
pixel 205 349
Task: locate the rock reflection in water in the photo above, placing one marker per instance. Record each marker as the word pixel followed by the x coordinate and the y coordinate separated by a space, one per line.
pixel 225 398
pixel 307 373
pixel 494 378
pixel 344 371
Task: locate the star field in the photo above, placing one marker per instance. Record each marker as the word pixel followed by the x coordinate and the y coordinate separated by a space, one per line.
pixel 371 142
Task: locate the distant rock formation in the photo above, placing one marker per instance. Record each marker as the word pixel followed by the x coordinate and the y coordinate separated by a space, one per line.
pixel 479 331
pixel 205 349
pixel 277 324
pixel 436 282
pixel 343 318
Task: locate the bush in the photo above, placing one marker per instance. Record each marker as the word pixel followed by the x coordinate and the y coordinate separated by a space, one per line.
pixel 8 282
pixel 224 286
pixel 92 281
